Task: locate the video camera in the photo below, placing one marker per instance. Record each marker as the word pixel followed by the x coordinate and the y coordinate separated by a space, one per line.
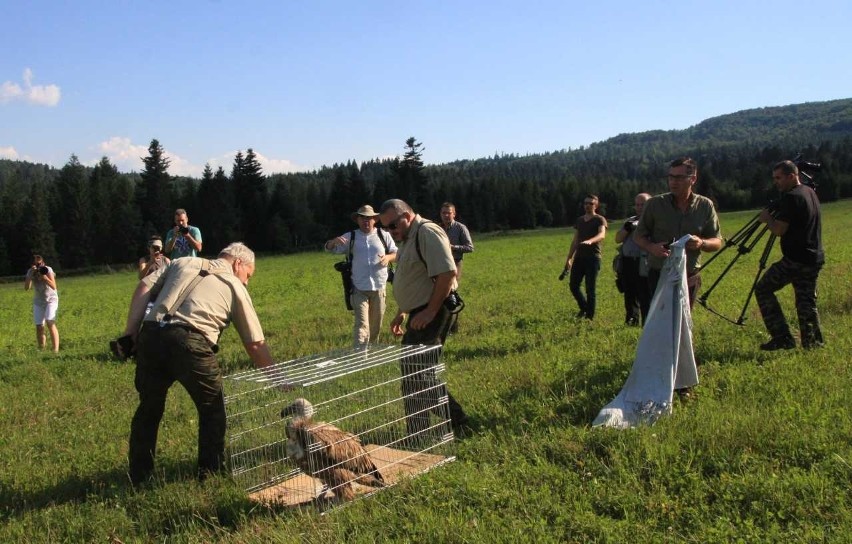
pixel 806 170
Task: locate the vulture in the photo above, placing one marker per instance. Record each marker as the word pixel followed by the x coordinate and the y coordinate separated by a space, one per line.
pixel 323 451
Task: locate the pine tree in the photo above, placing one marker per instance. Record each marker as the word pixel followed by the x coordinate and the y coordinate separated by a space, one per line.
pixel 155 191
pixel 36 230
pixel 73 215
pixel 411 175
pixel 251 199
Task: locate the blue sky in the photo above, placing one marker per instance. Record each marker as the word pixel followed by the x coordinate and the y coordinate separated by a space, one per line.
pixel 307 84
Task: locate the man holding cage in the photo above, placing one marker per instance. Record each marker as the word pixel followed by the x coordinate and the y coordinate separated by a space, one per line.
pixel 194 300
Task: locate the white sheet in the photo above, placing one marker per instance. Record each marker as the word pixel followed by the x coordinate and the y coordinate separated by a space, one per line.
pixel 664 358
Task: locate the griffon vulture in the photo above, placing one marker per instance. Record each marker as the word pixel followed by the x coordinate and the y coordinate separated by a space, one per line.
pixel 335 457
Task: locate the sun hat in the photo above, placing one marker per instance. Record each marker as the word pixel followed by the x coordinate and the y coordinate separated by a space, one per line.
pixel 364 211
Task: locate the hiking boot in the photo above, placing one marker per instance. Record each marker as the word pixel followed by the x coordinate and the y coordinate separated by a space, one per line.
pixel 785 342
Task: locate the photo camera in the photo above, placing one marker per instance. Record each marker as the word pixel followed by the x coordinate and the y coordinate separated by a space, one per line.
pixel 184 230
pixel 123 348
pixel 43 270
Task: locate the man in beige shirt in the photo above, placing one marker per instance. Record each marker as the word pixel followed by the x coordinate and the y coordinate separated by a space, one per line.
pixel 425 276
pixel 193 301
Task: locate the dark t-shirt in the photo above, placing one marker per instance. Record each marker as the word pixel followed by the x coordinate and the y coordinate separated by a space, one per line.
pixel 589 229
pixel 802 242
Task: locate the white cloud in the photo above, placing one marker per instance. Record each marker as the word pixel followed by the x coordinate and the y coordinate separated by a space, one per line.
pixel 8 153
pixel 37 95
pixel 267 164
pixel 127 156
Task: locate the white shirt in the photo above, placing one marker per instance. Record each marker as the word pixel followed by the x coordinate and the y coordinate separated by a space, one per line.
pixel 368 274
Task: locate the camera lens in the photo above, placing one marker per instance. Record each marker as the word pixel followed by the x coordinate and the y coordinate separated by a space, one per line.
pixel 184 230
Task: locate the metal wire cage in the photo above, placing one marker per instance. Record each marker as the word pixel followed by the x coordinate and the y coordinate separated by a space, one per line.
pixel 392 398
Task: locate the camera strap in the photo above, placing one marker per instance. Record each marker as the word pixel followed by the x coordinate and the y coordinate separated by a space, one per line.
pixel 351 245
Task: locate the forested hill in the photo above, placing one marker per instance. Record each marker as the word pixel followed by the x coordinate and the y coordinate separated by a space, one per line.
pixel 64 213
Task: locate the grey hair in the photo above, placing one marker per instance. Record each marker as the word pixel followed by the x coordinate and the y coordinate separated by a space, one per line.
pixel 397 205
pixel 238 250
pixel 181 211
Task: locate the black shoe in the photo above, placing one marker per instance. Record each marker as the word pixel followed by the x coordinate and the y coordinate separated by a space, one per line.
pixel 779 343
pixel 580 314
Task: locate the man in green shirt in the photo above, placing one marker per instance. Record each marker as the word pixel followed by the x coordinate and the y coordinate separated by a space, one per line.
pixel 670 216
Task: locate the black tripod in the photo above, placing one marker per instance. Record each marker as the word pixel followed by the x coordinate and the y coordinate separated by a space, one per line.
pixel 747 237
pixel 744 239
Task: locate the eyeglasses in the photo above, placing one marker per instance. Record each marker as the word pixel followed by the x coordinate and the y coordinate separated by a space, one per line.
pixel 679 177
pixel 587 203
pixel 393 225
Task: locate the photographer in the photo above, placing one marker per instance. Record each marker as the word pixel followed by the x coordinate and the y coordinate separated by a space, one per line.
pixel 634 275
pixel 45 300
pixel 797 220
pixel 370 250
pixel 194 300
pixel 183 240
pixel 155 258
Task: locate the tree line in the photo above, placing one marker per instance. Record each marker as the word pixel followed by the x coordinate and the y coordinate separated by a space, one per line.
pixel 79 216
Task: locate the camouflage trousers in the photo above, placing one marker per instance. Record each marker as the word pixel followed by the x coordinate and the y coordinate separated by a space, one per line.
pixel 804 279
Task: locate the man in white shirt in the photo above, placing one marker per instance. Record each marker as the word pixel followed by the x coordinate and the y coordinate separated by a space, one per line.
pixel 370 250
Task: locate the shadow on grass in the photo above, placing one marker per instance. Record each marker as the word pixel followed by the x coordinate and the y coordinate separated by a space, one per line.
pixel 88 487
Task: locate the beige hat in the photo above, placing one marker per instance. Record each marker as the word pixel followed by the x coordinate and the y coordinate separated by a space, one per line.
pixel 364 211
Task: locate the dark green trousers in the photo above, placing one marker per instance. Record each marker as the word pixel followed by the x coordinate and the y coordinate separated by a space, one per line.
pixel 166 355
pixel 421 388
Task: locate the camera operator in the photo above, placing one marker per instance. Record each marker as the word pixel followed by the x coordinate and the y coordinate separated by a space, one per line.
pixel 797 221
pixel 155 258
pixel 672 215
pixel 183 240
pixel 370 251
pixel 194 300
pixel 45 300
pixel 634 275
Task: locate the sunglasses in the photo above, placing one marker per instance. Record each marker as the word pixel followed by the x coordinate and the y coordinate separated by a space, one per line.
pixel 394 224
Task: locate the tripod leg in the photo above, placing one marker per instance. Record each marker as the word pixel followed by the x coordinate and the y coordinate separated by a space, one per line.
pixel 764 257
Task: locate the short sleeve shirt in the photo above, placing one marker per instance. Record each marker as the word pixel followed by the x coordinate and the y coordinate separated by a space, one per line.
pixel 802 242
pixel 662 221
pixel 412 286
pixel 368 274
pixel 182 246
pixel 214 302
pixel 589 229
pixel 42 292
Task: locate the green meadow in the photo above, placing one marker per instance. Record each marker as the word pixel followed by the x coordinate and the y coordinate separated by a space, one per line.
pixel 761 453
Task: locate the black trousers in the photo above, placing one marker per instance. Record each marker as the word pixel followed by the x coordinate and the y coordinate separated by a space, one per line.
pixel 166 355
pixel 421 388
pixel 637 295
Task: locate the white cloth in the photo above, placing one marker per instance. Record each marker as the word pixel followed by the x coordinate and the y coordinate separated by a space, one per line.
pixel 664 358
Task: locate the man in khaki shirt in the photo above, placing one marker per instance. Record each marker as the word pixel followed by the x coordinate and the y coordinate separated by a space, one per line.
pixel 178 342
pixel 425 276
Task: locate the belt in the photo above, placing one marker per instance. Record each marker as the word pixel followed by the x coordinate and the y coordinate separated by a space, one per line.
pixel 158 325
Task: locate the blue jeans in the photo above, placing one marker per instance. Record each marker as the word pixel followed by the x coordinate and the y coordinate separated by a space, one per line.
pixel 587 268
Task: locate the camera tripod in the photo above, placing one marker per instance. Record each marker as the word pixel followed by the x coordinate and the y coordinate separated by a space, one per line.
pixel 748 237
pixel 745 240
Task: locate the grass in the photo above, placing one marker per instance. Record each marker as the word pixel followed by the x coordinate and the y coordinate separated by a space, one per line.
pixel 762 454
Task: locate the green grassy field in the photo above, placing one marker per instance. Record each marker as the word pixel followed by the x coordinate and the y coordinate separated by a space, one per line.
pixel 763 453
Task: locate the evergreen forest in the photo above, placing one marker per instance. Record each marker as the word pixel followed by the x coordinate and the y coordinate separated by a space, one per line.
pixel 79 217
